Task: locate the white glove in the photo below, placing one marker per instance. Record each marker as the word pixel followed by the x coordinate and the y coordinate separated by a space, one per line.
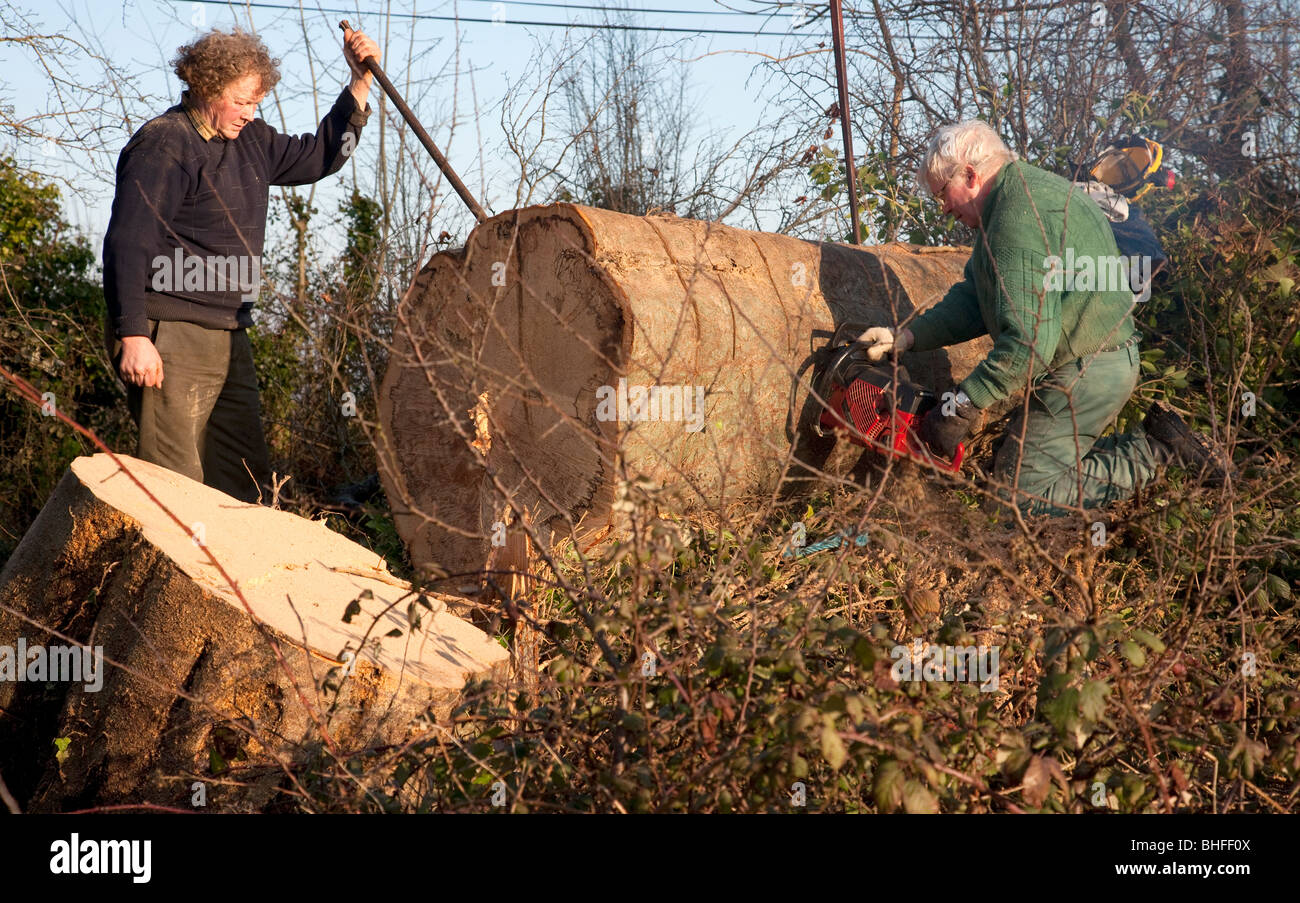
pixel 882 340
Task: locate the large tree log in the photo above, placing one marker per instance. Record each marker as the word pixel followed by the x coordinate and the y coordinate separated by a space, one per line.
pixel 503 351
pixel 190 678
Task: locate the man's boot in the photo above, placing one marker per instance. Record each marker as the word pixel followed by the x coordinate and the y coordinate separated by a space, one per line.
pixel 1173 442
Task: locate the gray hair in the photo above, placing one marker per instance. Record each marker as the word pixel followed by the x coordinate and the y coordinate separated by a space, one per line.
pixel 951 148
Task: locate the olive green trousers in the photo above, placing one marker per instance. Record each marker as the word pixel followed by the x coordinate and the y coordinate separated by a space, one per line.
pixel 205 420
pixel 1051 456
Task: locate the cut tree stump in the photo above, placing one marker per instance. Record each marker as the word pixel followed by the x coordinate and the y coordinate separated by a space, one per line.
pixel 192 687
pixel 504 350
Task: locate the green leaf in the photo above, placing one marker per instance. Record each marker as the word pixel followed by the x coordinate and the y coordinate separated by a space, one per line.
pixel 887 789
pixel 864 653
pixel 1149 639
pixel 1092 699
pixel 1133 652
pixel 353 609
pixel 918 800
pixel 216 764
pixel 832 746
pixel 1012 754
pixel 1062 711
pixel 61 745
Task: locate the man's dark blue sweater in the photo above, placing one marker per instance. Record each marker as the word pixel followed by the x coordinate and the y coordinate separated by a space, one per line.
pixel 190 214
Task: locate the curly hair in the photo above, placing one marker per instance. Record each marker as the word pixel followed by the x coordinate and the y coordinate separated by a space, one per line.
pixel 215 60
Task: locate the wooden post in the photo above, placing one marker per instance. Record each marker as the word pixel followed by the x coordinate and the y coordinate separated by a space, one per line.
pixel 842 80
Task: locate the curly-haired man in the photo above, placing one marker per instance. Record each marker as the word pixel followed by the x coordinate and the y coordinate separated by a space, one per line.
pixel 182 255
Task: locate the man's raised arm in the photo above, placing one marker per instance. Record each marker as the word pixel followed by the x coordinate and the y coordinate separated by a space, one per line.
pixel 309 158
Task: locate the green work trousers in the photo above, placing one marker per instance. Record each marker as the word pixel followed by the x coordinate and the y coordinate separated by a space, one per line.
pixel 205 421
pixel 1060 461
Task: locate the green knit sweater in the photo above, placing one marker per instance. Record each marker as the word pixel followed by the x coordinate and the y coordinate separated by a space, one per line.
pixel 1039 310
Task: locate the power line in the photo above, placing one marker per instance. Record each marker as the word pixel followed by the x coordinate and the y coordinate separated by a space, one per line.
pixel 616 9
pixel 608 26
pixel 1009 45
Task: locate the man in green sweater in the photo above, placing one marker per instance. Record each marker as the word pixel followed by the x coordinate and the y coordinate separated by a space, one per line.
pixel 1045 281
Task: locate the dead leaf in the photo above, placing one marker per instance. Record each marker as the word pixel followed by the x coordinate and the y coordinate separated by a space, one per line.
pixel 1037 780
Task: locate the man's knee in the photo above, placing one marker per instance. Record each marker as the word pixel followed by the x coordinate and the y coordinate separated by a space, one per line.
pixel 1028 482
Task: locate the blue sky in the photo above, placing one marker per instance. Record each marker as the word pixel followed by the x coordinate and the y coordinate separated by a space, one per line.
pixel 141 36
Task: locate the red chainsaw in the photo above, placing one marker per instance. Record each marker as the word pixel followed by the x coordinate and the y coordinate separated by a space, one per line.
pixel 865 402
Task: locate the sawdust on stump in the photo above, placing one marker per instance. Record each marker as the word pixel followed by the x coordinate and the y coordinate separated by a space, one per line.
pixel 193 689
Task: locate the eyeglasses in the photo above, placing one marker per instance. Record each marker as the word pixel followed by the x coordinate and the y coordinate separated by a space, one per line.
pixel 941 194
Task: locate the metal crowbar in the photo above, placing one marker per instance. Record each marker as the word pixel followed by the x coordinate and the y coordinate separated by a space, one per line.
pixel 371 64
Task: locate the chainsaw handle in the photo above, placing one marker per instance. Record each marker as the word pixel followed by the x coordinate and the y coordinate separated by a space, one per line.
pixel 856 327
